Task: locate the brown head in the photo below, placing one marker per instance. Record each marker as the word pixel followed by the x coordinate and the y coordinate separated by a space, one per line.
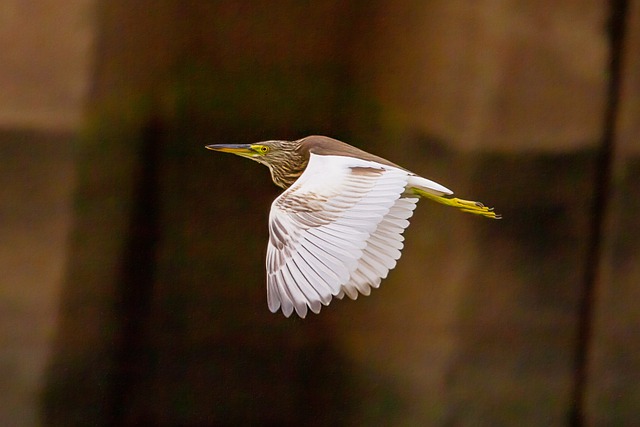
pixel 288 159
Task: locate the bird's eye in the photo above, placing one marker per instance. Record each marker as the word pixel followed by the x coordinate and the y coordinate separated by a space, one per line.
pixel 264 149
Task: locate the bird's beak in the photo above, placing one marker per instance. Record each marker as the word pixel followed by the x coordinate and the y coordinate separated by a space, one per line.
pixel 244 150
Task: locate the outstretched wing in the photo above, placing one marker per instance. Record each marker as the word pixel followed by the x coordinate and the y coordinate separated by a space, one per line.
pixel 337 230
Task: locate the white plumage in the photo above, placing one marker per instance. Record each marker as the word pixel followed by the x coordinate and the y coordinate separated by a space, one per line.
pixel 337 228
pixel 346 240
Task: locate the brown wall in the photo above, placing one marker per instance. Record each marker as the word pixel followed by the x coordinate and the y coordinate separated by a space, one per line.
pixel 614 369
pixel 46 49
pixel 162 312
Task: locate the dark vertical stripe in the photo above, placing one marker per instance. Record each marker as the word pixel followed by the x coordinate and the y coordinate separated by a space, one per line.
pixel 616 31
pixel 136 280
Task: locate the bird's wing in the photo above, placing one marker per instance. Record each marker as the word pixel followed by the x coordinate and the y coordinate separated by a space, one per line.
pixel 382 250
pixel 427 186
pixel 336 230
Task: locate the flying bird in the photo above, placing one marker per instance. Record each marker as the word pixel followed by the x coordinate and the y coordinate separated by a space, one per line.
pixel 337 228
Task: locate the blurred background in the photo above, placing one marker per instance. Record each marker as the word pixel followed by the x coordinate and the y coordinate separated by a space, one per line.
pixel 133 284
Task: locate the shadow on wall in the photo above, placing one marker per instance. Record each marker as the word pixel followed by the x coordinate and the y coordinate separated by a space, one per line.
pixel 164 318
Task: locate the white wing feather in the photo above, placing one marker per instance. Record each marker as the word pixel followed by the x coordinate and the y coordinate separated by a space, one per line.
pixel 337 230
pixel 428 185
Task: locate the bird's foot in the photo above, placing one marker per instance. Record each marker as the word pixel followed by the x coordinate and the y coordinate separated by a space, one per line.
pixel 469 206
pixel 476 208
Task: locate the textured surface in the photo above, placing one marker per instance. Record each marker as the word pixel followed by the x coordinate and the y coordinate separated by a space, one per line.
pixel 614 374
pixel 36 187
pixel 161 309
pixel 46 52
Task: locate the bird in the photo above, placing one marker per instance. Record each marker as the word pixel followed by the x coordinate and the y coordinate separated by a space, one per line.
pixel 337 228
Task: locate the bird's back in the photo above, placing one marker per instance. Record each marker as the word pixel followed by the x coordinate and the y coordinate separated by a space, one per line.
pixel 325 146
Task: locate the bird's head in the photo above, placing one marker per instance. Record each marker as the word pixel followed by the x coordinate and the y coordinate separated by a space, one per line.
pixel 286 159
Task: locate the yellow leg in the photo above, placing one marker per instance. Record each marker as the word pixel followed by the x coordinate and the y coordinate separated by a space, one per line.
pixel 469 206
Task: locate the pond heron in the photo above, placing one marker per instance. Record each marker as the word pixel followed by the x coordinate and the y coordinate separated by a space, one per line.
pixel 337 228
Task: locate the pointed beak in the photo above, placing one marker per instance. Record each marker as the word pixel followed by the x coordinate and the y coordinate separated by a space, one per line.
pixel 239 149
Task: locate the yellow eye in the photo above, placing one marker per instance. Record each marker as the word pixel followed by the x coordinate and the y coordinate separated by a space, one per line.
pixel 263 149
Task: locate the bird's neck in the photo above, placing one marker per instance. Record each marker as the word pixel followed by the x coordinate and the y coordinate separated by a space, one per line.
pixel 285 177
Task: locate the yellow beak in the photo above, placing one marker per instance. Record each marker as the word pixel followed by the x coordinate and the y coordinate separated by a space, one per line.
pixel 239 149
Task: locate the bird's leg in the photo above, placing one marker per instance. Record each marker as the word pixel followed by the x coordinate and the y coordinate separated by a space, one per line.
pixel 469 206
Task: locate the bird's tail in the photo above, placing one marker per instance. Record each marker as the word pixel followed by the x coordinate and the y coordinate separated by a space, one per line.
pixel 469 206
